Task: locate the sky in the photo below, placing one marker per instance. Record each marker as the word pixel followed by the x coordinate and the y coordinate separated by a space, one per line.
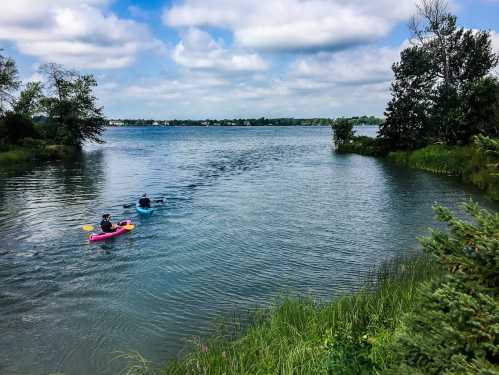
pixel 198 59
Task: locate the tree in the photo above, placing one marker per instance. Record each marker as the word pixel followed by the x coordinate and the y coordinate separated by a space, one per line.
pixel 407 123
pixel 72 106
pixel 343 131
pixel 456 328
pixel 8 80
pixel 29 101
pixel 439 94
pixel 17 127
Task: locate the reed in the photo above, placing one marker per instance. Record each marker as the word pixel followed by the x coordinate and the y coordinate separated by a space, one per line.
pixel 350 334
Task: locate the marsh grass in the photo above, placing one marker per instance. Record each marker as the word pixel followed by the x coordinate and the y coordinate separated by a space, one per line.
pixel 466 162
pixel 15 155
pixel 350 334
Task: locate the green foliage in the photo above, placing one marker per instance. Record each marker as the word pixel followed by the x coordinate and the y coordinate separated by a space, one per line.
pixel 406 125
pixel 342 131
pixel 364 146
pixel 8 80
pixel 477 163
pixel 72 107
pixel 456 328
pixel 15 155
pixel 28 104
pixel 359 120
pixel 16 126
pixel 349 335
pixel 442 89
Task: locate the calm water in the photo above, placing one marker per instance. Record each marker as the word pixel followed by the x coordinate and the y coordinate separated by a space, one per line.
pixel 250 213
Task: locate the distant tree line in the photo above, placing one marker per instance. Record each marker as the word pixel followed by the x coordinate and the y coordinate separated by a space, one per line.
pixel 444 89
pixel 60 110
pixel 262 121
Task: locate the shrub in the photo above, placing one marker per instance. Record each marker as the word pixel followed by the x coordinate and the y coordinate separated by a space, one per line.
pixel 17 127
pixel 456 329
pixel 342 131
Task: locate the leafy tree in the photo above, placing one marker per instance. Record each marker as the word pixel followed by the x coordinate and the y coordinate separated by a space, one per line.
pixel 17 127
pixel 8 80
pixel 456 329
pixel 407 114
pixel 439 82
pixel 342 131
pixel 481 109
pixel 72 106
pixel 28 103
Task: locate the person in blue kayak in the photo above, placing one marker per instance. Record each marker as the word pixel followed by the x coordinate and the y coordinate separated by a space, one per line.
pixel 144 202
pixel 107 225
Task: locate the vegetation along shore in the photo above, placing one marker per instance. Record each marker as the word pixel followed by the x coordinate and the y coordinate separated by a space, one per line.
pixel 355 120
pixel 50 120
pixel 430 314
pixel 443 116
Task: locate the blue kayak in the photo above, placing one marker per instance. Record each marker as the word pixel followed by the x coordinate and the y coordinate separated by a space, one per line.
pixel 144 210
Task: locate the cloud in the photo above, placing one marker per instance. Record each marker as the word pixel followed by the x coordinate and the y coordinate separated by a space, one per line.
pixel 198 50
pixel 75 33
pixel 293 24
pixel 367 65
pixel 495 41
pixel 323 84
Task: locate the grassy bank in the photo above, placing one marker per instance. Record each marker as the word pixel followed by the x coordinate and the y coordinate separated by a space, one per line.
pixel 349 335
pixel 476 163
pixel 468 162
pixel 361 145
pixel 24 154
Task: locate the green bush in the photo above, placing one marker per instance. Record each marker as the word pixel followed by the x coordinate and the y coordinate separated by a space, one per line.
pixel 456 329
pixel 362 145
pixel 17 126
pixel 16 155
pixel 476 163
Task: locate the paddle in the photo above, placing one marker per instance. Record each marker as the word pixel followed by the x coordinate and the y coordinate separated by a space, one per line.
pixel 89 227
pixel 161 200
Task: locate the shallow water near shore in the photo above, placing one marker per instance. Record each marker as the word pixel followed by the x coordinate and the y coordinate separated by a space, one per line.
pixel 250 214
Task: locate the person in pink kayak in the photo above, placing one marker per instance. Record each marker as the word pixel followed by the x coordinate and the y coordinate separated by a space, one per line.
pixel 107 225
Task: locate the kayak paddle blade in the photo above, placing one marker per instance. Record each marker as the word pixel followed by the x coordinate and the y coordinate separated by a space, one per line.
pixel 129 226
pixel 88 228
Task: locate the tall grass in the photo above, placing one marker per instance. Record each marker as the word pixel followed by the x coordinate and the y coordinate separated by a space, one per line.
pixel 466 162
pixel 348 335
pixel 15 155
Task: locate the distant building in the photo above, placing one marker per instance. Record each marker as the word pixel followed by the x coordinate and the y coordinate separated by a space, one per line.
pixel 116 123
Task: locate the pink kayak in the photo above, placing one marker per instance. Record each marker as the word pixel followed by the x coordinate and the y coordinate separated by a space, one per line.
pixel 104 236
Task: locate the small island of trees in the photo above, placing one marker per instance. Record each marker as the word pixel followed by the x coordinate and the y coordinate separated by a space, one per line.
pixel 46 120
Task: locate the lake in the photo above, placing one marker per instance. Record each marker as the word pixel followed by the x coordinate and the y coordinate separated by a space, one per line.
pixel 250 214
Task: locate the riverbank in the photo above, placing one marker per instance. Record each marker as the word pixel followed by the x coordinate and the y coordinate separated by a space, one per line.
pixel 435 313
pixel 351 334
pixel 23 154
pixel 471 163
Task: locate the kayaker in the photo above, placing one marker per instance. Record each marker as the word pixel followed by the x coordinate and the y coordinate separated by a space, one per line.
pixel 107 225
pixel 145 202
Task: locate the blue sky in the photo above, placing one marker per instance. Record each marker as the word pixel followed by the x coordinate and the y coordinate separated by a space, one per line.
pixel 225 58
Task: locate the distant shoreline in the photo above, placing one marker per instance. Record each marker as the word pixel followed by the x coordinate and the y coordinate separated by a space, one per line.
pixel 224 126
pixel 241 122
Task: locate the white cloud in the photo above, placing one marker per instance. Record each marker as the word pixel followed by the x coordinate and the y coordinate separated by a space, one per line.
pixel 294 24
pixel 72 32
pixel 198 50
pixel 495 41
pixel 307 89
pixel 368 65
